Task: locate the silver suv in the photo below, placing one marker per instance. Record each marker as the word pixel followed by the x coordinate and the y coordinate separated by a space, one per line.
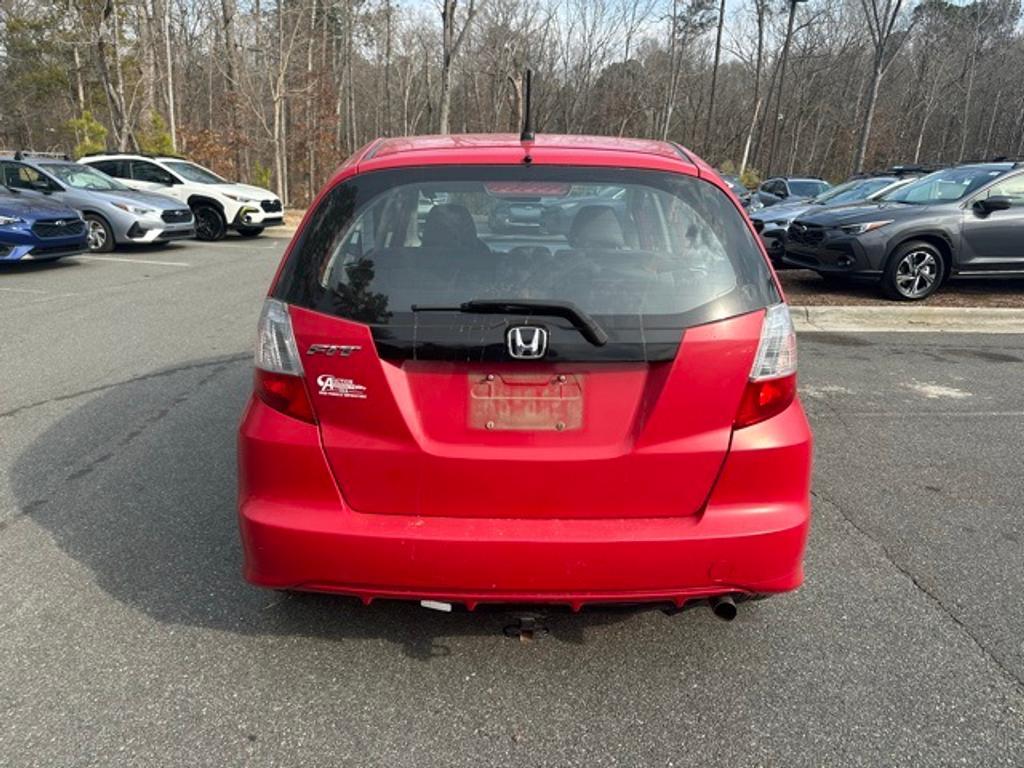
pixel 114 213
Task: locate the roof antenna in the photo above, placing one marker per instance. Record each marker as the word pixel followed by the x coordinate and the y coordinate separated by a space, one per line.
pixel 526 137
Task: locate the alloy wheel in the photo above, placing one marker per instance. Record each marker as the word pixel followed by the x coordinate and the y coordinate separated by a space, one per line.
pixel 208 225
pixel 916 273
pixel 97 235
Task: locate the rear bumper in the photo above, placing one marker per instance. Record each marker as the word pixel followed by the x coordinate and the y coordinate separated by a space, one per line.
pixel 298 534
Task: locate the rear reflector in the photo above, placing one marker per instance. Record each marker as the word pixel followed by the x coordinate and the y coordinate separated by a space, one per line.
pixel 764 399
pixel 772 385
pixel 285 393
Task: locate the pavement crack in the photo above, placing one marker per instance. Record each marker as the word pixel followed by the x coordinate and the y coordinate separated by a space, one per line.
pixel 1015 679
pixel 144 377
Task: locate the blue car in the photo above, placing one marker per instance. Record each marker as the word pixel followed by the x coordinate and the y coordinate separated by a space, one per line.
pixel 37 230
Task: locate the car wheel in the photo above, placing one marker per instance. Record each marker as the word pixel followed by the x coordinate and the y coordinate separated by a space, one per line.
pixel 100 236
pixel 210 224
pixel 914 272
pixel 250 231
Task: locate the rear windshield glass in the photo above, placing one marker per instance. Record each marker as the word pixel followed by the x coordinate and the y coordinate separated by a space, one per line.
pixel 614 242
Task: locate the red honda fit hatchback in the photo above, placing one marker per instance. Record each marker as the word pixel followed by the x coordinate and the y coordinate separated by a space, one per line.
pixel 602 411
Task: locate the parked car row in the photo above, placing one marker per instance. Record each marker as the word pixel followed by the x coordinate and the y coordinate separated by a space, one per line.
pixel 964 221
pixel 910 228
pixel 107 200
pixel 772 222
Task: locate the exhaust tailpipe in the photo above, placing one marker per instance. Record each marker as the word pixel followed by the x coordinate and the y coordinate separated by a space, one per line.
pixel 724 607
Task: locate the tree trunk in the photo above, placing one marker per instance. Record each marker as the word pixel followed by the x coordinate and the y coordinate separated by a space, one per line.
pixel 869 116
pixel 79 85
pixel 124 136
pixel 227 9
pixel 776 124
pixel 172 119
pixel 750 137
pixel 714 76
pixel 447 34
pixel 966 121
pixel 450 45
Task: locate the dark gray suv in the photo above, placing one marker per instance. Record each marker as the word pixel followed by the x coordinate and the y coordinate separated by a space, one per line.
pixel 967 220
pixel 780 188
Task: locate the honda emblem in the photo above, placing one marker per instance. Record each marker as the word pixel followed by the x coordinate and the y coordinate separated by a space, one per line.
pixel 527 342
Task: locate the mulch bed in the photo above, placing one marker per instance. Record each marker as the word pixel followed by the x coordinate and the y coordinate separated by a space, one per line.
pixel 806 288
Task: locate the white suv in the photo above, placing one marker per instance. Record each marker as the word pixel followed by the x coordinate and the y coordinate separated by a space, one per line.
pixel 217 204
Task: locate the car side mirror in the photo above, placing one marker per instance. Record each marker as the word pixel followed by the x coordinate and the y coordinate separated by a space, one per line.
pixel 993 203
pixel 40 185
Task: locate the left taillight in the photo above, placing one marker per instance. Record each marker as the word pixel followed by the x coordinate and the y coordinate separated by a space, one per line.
pixel 772 385
pixel 279 378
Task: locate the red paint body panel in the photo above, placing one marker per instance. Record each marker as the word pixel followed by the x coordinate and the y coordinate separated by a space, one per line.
pixel 653 440
pixel 652 495
pixel 749 538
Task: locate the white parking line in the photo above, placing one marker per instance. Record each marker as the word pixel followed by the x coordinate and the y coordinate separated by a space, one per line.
pixel 24 290
pixel 136 261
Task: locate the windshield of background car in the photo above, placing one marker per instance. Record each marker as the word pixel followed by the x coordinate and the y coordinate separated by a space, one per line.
pixel 944 186
pixel 80 176
pixel 637 243
pixel 807 188
pixel 735 184
pixel 193 172
pixel 852 191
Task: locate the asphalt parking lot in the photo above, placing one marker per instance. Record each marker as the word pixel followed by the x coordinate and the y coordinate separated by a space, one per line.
pixel 128 638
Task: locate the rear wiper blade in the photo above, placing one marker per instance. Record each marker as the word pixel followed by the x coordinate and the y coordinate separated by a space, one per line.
pixel 580 320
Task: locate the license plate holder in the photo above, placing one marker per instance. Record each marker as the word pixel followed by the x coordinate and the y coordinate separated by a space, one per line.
pixel 525 402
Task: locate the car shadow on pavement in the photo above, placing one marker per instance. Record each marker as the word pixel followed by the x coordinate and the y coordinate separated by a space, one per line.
pixel 31 267
pixel 137 483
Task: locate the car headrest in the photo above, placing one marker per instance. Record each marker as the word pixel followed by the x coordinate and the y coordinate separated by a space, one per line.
pixel 597 226
pixel 448 224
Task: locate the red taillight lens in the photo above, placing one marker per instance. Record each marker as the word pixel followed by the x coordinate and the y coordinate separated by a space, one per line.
pixel 764 399
pixel 285 393
pixel 772 385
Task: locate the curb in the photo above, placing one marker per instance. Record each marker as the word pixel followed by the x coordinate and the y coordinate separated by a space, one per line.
pixel 907 319
pixel 280 232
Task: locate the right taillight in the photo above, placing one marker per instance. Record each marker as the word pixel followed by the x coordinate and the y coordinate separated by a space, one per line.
pixel 772 384
pixel 279 378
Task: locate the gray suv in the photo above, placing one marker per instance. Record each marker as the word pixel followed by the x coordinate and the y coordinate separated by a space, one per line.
pixel 114 213
pixel 779 188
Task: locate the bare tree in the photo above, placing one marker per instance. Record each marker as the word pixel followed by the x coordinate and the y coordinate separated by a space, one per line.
pixel 881 17
pixel 450 45
pixel 714 72
pixel 277 91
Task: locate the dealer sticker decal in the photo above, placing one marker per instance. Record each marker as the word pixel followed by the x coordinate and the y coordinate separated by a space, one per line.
pixel 332 386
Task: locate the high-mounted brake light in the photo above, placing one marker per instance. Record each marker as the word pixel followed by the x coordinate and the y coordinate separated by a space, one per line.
pixel 772 384
pixel 279 380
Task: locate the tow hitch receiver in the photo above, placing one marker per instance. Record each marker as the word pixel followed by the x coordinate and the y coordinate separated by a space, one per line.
pixel 526 626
